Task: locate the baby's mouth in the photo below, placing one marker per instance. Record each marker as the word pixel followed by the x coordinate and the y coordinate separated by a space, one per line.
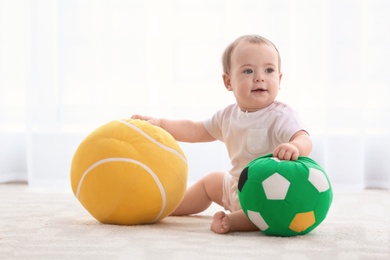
pixel 259 90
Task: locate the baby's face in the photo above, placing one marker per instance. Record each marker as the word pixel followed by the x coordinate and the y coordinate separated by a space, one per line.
pixel 254 75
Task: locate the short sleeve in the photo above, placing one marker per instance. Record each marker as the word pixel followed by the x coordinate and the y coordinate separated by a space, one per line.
pixel 288 123
pixel 213 125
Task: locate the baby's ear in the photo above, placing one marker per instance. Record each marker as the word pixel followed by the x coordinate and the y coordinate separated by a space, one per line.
pixel 227 81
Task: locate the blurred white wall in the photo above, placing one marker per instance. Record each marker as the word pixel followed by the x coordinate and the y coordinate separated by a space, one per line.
pixel 68 66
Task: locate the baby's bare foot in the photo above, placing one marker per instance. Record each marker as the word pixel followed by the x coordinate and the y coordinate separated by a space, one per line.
pixel 221 223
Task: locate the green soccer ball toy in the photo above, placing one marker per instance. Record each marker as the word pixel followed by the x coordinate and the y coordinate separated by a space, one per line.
pixel 285 198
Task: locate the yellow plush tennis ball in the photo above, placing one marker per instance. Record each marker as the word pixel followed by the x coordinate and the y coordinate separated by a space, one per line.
pixel 129 172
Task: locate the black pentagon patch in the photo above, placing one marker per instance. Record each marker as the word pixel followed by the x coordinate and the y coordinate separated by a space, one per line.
pixel 243 178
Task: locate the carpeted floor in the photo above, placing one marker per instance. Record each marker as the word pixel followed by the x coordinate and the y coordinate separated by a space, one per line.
pixel 44 225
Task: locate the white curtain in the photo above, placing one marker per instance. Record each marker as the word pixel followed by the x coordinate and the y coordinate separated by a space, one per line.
pixel 68 66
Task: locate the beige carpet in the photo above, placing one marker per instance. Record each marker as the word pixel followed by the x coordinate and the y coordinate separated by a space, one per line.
pixel 42 225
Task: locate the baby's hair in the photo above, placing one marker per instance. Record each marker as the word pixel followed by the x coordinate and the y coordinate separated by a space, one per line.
pixel 251 38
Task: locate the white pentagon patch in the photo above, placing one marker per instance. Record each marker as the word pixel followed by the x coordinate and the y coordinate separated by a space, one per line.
pixel 275 159
pixel 257 219
pixel 276 187
pixel 318 179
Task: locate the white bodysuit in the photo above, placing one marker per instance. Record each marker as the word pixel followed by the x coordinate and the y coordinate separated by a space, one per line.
pixel 248 135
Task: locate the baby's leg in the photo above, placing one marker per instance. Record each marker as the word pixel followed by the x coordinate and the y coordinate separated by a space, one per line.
pixel 200 195
pixel 236 221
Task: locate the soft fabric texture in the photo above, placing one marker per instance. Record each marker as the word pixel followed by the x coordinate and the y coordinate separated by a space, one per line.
pixel 248 135
pixel 36 224
pixel 285 198
pixel 129 172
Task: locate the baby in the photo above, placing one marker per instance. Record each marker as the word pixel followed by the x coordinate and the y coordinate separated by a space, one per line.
pixel 255 125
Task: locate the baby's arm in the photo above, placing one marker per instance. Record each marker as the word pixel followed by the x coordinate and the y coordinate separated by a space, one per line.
pixel 181 130
pixel 299 145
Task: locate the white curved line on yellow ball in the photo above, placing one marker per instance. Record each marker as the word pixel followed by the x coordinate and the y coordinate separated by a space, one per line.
pixel 163 146
pixel 154 176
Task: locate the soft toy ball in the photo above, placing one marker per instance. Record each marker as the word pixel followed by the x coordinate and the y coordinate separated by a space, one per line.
pixel 129 172
pixel 285 198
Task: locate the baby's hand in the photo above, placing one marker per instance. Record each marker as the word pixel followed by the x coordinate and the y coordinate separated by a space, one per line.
pixel 286 151
pixel 151 120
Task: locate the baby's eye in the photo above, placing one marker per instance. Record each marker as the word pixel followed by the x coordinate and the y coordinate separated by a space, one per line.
pixel 269 70
pixel 248 71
